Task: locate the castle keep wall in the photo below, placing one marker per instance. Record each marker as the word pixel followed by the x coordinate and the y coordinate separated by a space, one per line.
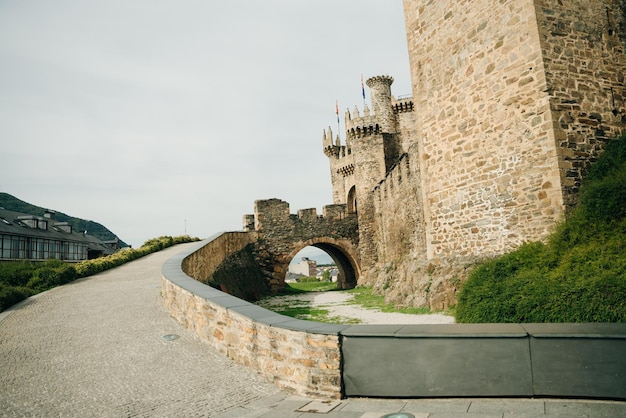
pixel 490 177
pixel 516 99
pixel 513 101
pixel 583 48
pixel 398 208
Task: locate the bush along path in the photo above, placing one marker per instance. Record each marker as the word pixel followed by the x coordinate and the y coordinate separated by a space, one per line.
pixel 22 279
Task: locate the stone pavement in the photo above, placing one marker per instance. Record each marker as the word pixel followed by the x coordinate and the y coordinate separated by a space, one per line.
pixel 105 347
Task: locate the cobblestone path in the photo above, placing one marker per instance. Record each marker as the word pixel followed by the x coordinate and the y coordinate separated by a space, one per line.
pixel 95 348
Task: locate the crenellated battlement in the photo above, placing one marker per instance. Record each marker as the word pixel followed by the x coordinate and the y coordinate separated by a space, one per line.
pixel 274 215
pixel 354 119
pixel 342 154
pixel 375 138
pixel 333 148
pixel 391 184
pixel 358 126
pixel 383 117
pixel 403 105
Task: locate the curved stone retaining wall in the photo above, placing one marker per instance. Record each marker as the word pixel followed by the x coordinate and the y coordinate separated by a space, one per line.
pixel 331 361
pixel 301 356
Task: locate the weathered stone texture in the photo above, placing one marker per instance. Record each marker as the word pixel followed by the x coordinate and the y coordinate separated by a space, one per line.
pixel 582 44
pixel 490 178
pixel 203 263
pixel 512 101
pixel 301 362
pixel 281 235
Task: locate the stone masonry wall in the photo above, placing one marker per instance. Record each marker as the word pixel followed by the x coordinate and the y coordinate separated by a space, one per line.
pixel 583 48
pixel 405 275
pixel 398 208
pixel 369 162
pixel 490 176
pixel 301 362
pixel 282 234
pixel 514 100
pixel 203 263
pixel 405 119
pixel 341 166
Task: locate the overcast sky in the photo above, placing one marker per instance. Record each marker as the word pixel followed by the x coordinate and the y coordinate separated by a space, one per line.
pixel 159 117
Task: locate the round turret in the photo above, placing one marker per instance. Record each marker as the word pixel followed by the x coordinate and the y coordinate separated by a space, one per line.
pixel 380 88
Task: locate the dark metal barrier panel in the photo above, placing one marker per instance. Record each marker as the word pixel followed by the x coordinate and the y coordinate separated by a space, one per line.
pixel 488 360
pixel 578 360
pixel 436 360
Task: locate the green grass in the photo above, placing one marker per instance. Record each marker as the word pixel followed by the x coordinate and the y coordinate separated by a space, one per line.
pixel 310 287
pixel 579 275
pixel 309 313
pixel 304 312
pixel 364 297
pixel 302 309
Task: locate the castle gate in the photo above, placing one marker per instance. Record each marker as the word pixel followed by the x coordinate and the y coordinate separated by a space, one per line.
pixel 281 235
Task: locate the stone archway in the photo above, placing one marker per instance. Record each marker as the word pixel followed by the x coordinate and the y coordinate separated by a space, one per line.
pixel 340 251
pixel 279 236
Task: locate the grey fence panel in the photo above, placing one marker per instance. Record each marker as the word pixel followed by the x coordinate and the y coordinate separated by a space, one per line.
pixel 437 361
pixel 579 360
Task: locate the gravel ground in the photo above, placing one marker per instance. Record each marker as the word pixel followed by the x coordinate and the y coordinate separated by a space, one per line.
pixel 338 304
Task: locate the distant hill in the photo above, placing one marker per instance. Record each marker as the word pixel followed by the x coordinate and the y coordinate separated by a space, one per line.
pixel 99 231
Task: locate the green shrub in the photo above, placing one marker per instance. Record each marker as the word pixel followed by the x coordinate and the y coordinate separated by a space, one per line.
pixel 578 276
pixel 51 274
pixel 90 267
pixel 21 279
pixel 308 279
pixel 16 273
pixel 605 199
pixel 10 295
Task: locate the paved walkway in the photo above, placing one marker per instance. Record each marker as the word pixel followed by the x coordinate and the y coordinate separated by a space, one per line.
pixel 100 347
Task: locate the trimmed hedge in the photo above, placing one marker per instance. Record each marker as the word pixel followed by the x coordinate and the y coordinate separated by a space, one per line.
pixel 21 279
pixel 578 276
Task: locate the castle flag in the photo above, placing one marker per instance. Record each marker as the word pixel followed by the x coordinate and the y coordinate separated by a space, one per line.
pixel 362 88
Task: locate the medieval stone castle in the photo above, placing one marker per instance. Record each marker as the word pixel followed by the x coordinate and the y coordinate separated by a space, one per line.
pixel 512 101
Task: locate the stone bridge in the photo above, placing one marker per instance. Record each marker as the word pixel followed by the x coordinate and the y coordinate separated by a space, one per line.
pixel 254 262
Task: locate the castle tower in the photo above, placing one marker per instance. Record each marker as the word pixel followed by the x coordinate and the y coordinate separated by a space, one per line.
pixel 372 149
pixel 380 88
pixel 341 166
pixel 516 98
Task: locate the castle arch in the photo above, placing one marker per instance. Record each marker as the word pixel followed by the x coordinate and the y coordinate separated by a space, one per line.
pixel 351 201
pixel 342 254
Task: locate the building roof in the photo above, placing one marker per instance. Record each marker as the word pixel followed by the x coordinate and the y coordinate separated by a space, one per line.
pixel 22 224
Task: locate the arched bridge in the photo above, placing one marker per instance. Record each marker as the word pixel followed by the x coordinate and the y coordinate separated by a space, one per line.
pixel 281 235
pixel 250 263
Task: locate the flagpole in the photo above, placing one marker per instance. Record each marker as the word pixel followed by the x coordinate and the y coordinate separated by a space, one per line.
pixel 337 113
